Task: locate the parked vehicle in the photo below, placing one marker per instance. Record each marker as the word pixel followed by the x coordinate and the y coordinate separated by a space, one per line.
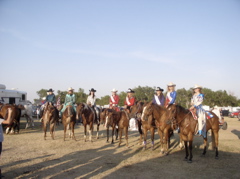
pixel 234 113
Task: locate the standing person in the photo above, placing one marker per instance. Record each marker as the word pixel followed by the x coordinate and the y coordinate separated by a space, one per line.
pixel 171 94
pixel 130 100
pixel 159 98
pixel 114 100
pixel 69 100
pixel 2 121
pixel 91 101
pixel 196 103
pixel 51 96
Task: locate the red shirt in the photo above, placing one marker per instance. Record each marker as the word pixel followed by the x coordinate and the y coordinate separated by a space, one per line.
pixel 116 100
pixel 131 101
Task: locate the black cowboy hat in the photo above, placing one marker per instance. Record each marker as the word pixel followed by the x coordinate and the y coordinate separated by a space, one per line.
pixel 130 90
pixel 50 90
pixel 159 89
pixel 92 90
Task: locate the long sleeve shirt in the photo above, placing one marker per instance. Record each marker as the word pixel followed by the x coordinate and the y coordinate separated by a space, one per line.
pixel 51 98
pixel 160 100
pixel 91 100
pixel 171 97
pixel 114 100
pixel 70 99
pixel 197 100
pixel 129 101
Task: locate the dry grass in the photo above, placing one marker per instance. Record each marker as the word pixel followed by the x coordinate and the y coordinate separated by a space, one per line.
pixel 28 155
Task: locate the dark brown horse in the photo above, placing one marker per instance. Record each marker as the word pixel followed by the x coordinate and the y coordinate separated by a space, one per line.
pixel 121 121
pixel 88 117
pixel 69 121
pixel 187 124
pixel 160 114
pixel 50 117
pixel 143 126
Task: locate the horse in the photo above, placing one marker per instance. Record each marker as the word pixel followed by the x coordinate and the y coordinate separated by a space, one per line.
pixel 143 126
pixel 118 119
pixel 187 124
pixel 27 109
pixel 50 116
pixel 15 117
pixel 88 118
pixel 160 116
pixel 69 121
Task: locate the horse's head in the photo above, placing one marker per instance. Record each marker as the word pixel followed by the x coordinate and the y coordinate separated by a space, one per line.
pixel 80 108
pixel 172 111
pixel 109 117
pixel 147 111
pixel 136 109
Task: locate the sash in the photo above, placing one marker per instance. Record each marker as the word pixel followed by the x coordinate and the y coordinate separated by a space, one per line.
pixel 127 100
pixel 169 96
pixel 112 99
pixel 157 100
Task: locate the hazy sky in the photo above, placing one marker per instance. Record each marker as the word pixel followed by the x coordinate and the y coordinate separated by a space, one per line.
pixel 105 44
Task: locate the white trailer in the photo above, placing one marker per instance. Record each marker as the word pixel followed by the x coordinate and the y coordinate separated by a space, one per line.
pixel 12 96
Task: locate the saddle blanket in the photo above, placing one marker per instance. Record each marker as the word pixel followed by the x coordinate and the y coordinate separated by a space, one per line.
pixel 208 115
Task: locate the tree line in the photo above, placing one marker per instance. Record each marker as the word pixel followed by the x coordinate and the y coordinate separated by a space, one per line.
pixel 146 93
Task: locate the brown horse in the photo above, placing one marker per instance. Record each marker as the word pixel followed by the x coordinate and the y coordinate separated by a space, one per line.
pixel 50 116
pixel 69 121
pixel 187 124
pixel 143 126
pixel 160 114
pixel 118 119
pixel 88 118
pixel 16 115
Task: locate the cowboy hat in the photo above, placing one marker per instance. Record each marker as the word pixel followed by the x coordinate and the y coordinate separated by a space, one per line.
pixel 114 90
pixel 92 90
pixel 70 89
pixel 159 89
pixel 50 90
pixel 130 90
pixel 171 84
pixel 197 86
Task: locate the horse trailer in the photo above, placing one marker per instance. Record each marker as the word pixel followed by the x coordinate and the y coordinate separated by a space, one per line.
pixel 12 96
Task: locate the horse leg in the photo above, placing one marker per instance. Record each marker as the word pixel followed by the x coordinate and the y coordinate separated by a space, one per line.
pixel 98 129
pixel 65 129
pixel 126 136
pixel 45 130
pixel 116 133
pixel 161 140
pixel 27 124
pixel 32 122
pixel 145 138
pixel 107 133
pixel 181 143
pixel 166 138
pixel 152 136
pixel 85 132
pixel 113 129
pixel 72 126
pixel 186 150
pixel 190 151
pixel 52 130
pixel 205 146
pixel 90 131
pixel 120 137
pixel 215 142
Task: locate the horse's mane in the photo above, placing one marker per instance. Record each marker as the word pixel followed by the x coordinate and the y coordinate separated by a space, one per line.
pixel 182 109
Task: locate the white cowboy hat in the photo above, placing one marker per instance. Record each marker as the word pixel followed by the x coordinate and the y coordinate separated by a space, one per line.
pixel 171 84
pixel 197 86
pixel 114 90
pixel 44 98
pixel 70 89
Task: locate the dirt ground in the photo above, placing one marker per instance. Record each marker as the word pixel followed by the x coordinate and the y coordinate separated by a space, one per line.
pixel 28 155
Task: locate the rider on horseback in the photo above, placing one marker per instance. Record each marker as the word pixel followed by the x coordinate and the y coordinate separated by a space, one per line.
pixel 69 100
pixel 196 104
pixel 91 101
pixel 158 98
pixel 171 94
pixel 50 99
pixel 130 100
pixel 114 99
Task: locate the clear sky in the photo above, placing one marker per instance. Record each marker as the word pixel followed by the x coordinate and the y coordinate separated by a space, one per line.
pixel 105 44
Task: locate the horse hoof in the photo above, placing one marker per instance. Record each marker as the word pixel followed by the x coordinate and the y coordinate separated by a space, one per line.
pixel 216 158
pixel 185 159
pixel 189 161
